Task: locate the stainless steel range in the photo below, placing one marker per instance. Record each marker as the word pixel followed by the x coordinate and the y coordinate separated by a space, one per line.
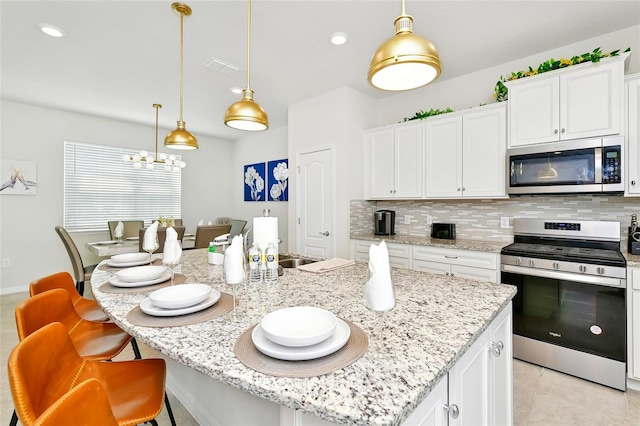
pixel 570 309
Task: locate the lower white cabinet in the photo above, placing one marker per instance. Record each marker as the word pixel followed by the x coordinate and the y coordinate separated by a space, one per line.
pixel 457 263
pixel 633 321
pixel 399 254
pixel 479 388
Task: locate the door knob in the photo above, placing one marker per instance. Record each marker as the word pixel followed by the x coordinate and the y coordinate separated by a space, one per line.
pixel 453 410
pixel 325 233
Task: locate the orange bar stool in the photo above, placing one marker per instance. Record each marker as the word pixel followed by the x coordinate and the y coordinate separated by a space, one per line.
pixel 45 365
pixel 86 308
pixel 85 405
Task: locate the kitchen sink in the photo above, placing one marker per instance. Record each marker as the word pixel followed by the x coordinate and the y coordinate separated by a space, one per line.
pixel 287 261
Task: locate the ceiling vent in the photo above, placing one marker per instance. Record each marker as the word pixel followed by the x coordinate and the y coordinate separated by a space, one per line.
pixel 221 66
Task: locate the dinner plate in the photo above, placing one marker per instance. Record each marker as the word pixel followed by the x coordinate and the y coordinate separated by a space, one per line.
pixel 299 325
pixel 126 284
pixel 180 296
pixel 104 243
pixel 328 346
pixel 127 264
pixel 130 257
pixel 140 273
pixel 150 309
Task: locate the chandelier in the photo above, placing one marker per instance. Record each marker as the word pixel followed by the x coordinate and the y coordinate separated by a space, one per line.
pixel 170 162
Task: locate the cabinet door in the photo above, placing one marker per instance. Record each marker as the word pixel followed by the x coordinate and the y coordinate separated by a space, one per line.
pixel 591 101
pixel 501 370
pixel 474 273
pixel 443 167
pixel 484 146
pixel 409 161
pixel 469 385
pixel 431 411
pixel 380 144
pixel 432 267
pixel 633 136
pixel 633 292
pixel 534 112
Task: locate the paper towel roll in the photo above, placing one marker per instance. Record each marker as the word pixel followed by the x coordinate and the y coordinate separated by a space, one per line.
pixel 265 231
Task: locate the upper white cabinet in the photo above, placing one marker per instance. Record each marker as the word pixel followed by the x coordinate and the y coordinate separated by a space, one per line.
pixel 580 101
pixel 395 161
pixel 633 135
pixel 465 153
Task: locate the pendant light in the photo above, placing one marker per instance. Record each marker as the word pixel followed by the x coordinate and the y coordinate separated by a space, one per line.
pixel 170 162
pixel 180 138
pixel 405 61
pixel 247 114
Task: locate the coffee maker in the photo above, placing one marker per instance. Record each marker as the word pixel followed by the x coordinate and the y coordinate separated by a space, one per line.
pixel 384 221
pixel 633 243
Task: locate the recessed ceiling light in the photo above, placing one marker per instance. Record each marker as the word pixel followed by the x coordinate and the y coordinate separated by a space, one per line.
pixel 51 30
pixel 236 90
pixel 339 38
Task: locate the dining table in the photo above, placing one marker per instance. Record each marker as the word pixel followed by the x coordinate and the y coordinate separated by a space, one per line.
pixel 128 245
pixel 215 371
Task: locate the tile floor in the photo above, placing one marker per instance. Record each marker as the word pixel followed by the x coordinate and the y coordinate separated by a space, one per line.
pixel 541 396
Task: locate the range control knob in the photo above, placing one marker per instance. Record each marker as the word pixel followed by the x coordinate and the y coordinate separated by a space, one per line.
pixel 600 270
pixel 556 265
pixel 518 261
pixel 532 262
pixel 582 268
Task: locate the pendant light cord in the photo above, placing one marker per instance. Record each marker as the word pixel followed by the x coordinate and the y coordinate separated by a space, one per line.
pixel 249 45
pixel 157 106
pixel 181 59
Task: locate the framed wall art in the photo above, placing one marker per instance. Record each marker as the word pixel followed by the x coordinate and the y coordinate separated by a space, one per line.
pixel 254 182
pixel 17 177
pixel 278 179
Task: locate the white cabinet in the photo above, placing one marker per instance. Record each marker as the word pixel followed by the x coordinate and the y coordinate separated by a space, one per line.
pixel 394 161
pixel 633 321
pixel 633 135
pixel 470 264
pixel 465 153
pixel 571 103
pixel 480 383
pixel 399 254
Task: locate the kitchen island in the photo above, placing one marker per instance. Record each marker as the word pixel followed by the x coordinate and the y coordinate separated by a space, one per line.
pixel 436 320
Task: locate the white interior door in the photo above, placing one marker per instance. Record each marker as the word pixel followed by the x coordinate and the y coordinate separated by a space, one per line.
pixel 315 204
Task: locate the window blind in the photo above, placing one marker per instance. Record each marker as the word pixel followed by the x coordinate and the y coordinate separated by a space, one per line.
pixel 99 186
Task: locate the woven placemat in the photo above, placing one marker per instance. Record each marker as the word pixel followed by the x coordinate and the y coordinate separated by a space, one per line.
pixel 247 353
pixel 107 287
pixel 105 267
pixel 221 307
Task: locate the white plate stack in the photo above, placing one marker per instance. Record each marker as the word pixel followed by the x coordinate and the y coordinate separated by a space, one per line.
pixel 179 300
pixel 300 333
pixel 140 276
pixel 128 259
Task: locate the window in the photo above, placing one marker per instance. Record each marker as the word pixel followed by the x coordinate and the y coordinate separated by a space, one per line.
pixel 99 186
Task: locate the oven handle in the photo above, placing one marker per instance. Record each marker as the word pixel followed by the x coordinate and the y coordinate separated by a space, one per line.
pixel 587 279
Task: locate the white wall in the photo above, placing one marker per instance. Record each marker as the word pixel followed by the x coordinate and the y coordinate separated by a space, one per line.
pixel 257 148
pixel 27 235
pixel 335 119
pixel 477 88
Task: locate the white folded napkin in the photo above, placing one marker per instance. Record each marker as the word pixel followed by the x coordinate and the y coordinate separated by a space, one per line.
pixel 326 265
pixel 172 250
pixel 234 261
pixel 378 291
pixel 150 235
pixel 119 231
pixel 201 222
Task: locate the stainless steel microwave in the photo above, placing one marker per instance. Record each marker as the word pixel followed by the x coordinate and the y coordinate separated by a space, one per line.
pixel 579 166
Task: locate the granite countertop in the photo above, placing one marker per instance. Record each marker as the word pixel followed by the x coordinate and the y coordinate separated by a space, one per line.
pixel 435 320
pixel 633 260
pixel 460 244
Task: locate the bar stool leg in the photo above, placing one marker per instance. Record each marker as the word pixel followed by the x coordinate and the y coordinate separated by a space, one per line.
pixel 136 350
pixel 169 410
pixel 14 418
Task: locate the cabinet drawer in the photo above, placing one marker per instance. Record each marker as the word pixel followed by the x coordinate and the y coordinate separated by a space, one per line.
pixel 395 250
pixel 432 267
pixel 456 257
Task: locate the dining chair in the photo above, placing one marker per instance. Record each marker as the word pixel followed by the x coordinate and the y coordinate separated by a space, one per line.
pixel 206 233
pixel 88 309
pixel 178 222
pixel 86 404
pixel 162 235
pixel 237 226
pixel 81 273
pixel 45 365
pixel 130 228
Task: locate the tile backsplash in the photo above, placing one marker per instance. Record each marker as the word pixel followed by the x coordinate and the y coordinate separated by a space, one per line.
pixel 480 219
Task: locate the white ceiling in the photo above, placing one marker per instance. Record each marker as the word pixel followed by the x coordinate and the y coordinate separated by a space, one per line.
pixel 119 57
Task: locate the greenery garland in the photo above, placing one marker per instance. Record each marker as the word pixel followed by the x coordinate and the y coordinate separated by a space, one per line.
pixel 501 91
pixel 421 115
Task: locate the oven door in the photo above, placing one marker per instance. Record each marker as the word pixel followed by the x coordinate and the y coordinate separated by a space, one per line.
pixel 586 317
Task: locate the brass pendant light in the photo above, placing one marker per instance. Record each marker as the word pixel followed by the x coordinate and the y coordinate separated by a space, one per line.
pixel 247 114
pixel 180 138
pixel 405 61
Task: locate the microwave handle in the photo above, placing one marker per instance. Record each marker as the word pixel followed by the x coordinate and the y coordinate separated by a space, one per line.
pixel 597 153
